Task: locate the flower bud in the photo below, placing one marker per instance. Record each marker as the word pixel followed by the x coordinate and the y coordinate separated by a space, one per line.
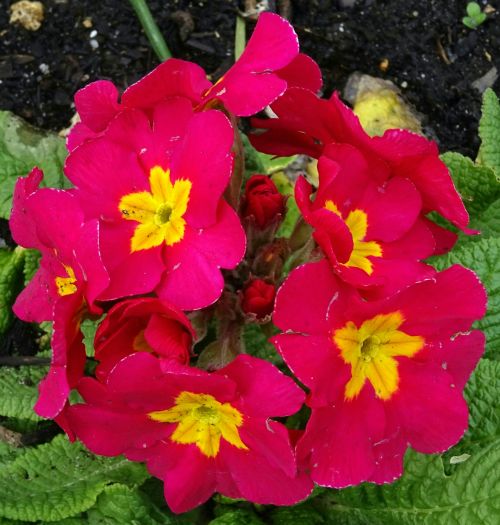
pixel 142 325
pixel 258 298
pixel 263 201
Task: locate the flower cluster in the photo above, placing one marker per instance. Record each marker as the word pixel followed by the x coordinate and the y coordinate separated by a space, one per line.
pixel 155 236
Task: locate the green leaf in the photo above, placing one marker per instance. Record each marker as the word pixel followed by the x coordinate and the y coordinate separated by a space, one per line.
pixel 473 9
pixel 257 162
pixel 11 281
pixel 425 495
pixel 488 223
pixel 482 256
pixel 89 328
pixel 59 480
pixel 477 184
pixel 253 160
pixel 23 147
pixel 19 391
pixel 257 344
pixel 489 131
pixel 237 517
pixel 302 514
pixel 272 164
pixel 121 505
pixel 292 215
pixel 483 397
pixel 31 264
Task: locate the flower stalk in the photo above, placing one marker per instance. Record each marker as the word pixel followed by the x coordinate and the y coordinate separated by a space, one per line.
pixel 151 29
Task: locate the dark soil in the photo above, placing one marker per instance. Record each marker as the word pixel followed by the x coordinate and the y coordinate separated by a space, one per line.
pixel 432 56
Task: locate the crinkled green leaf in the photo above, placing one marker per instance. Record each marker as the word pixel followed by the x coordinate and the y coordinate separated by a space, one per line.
pixel 121 505
pixel 19 391
pixel 11 281
pixel 23 147
pixel 487 222
pixel 237 517
pixel 302 514
pixel 489 131
pixel 483 397
pixel 483 257
pixel 257 344
pixel 31 264
pixel 59 480
pixel 477 184
pixel 425 495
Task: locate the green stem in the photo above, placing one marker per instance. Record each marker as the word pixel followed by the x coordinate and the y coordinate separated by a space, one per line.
pixel 239 37
pixel 151 29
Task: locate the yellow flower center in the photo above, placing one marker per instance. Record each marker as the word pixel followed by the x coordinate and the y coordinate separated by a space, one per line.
pixel 202 421
pixel 160 212
pixel 371 349
pixel 66 285
pixel 357 222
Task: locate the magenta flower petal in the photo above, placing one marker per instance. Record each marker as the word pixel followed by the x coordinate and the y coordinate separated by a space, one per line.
pixel 193 279
pixel 102 164
pixel 460 356
pixel 430 408
pixel 426 170
pixel 130 273
pixel 389 455
pixel 171 119
pixel 97 104
pixel 35 303
pixel 68 358
pixel 266 474
pixel 311 361
pixel 190 480
pixel 111 432
pixel 445 305
pixel 21 223
pixel 85 253
pixel 79 134
pixel 264 391
pixel 254 82
pixel 171 78
pixel 208 178
pixel 302 72
pixel 339 441
pixel 310 318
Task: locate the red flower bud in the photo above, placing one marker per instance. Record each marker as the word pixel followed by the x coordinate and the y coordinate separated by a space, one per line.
pixel 262 200
pixel 258 298
pixel 144 324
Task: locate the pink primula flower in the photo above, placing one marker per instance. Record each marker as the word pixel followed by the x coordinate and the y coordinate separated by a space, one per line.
pixel 256 79
pixel 65 287
pixel 383 374
pixel 306 124
pixel 157 190
pixel 146 324
pixel 372 233
pixel 200 433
